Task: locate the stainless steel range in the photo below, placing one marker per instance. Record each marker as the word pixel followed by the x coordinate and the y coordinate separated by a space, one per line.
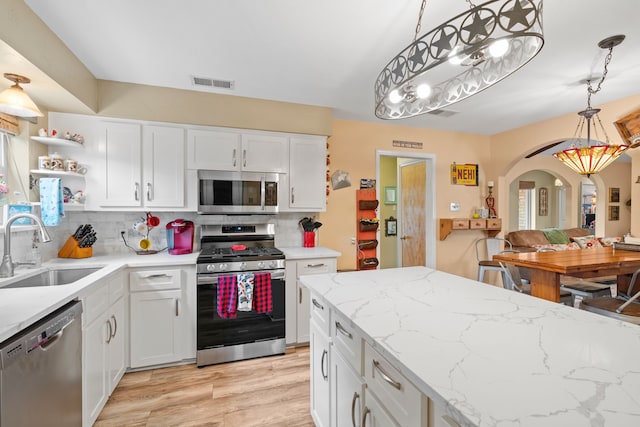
pixel 228 251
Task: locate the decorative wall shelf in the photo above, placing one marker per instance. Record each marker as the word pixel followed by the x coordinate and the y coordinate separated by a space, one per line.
pixel 67 206
pixel 491 225
pixel 49 172
pixel 62 142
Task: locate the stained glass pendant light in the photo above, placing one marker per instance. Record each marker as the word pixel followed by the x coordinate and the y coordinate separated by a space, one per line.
pixel 584 158
pixel 459 58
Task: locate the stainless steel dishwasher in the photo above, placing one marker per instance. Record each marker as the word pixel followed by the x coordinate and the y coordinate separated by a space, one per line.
pixel 41 373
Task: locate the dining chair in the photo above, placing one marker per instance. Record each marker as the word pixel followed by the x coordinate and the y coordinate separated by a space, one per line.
pixel 514 282
pixel 624 307
pixel 492 246
pixel 580 288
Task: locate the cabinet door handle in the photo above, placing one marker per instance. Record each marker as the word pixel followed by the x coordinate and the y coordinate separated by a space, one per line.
pixel 343 331
pixel 299 296
pixel 292 196
pixel 356 397
pixel 364 416
pixel 177 307
pixel 386 376
pixel 322 264
pixel 136 191
pixel 244 158
pixel 149 192
pixel 450 421
pixel 317 304
pixel 115 326
pixel 110 331
pixel 322 361
pixel 234 158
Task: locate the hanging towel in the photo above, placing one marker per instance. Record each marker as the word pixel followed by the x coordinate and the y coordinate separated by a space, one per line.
pixel 245 291
pixel 227 297
pixel 262 299
pixel 51 207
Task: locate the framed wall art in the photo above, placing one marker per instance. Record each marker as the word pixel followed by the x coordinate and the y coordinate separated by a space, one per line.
pixel 614 195
pixel 390 196
pixel 390 226
pixel 543 201
pixel 614 213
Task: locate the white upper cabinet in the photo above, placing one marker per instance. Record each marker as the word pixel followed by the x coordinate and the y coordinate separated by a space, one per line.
pixel 214 150
pixel 234 151
pixel 144 165
pixel 122 153
pixel 163 166
pixel 307 174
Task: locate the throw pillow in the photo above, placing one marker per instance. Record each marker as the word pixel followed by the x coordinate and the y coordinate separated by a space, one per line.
pixel 556 236
pixel 559 246
pixel 587 242
pixel 608 241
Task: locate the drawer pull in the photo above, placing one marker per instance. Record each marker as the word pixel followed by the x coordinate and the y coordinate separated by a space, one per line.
pixel 364 416
pixel 316 265
pixel 356 397
pixel 317 304
pixel 343 331
pixel 155 276
pixel 322 360
pixel 386 376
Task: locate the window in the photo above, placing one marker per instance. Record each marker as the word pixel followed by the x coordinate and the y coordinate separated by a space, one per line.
pixel 526 205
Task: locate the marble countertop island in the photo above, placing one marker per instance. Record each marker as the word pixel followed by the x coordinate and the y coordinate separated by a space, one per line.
pixel 489 356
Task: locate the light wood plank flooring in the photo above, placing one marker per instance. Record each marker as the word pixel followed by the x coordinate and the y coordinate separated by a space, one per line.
pixel 267 392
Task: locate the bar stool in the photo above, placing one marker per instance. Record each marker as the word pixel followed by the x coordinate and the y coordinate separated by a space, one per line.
pixel 494 245
pixel 623 307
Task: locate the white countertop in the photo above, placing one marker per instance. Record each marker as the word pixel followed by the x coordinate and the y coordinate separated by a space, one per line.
pixel 21 307
pixel 493 357
pixel 305 253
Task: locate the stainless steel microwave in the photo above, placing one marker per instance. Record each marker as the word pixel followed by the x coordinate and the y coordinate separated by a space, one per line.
pixel 222 192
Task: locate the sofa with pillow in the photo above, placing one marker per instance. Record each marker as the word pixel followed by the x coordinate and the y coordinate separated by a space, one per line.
pixel 567 239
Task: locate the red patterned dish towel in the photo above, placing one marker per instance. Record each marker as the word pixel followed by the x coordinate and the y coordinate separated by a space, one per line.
pixel 227 301
pixel 262 299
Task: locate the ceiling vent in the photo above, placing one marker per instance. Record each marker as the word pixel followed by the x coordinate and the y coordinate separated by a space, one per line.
pixel 442 113
pixel 213 83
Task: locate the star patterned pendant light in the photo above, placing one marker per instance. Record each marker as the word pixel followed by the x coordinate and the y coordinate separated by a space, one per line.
pixel 584 158
pixel 460 57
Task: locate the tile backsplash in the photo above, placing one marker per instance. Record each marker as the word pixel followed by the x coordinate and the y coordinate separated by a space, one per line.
pixel 109 224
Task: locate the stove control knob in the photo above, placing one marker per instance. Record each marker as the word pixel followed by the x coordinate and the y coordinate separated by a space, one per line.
pixel 273 264
pixel 211 267
pixel 261 265
pixel 243 266
pixel 224 267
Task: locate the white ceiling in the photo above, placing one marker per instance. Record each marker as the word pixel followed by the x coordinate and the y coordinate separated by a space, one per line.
pixel 329 52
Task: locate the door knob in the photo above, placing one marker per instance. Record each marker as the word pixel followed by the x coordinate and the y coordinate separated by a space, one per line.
pixel 405 238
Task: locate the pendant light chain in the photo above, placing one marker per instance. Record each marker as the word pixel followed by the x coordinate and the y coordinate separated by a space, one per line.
pixel 604 75
pixel 419 24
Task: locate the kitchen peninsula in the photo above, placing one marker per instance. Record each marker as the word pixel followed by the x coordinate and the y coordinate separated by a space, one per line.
pixel 474 354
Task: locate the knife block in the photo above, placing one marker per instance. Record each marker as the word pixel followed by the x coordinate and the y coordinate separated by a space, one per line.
pixel 70 249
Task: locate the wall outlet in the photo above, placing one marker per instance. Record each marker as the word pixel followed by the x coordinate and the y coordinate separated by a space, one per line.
pixel 455 206
pixel 353 240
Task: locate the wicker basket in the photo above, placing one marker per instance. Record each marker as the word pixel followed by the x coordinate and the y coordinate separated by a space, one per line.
pixel 367 244
pixel 367 205
pixel 368 226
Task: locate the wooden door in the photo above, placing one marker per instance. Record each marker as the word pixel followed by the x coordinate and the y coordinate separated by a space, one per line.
pixel 413 180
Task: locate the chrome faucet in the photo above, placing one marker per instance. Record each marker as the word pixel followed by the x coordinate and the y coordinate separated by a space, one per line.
pixel 7 266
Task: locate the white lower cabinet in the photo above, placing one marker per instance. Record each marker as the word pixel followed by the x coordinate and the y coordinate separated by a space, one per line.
pixel 160 316
pixel 104 344
pixel 347 392
pixel 374 413
pixel 298 304
pixel 320 370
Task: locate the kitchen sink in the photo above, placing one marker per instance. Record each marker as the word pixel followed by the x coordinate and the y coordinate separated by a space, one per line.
pixel 53 277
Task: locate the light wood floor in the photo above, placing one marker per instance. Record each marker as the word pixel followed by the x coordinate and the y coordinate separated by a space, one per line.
pixel 270 391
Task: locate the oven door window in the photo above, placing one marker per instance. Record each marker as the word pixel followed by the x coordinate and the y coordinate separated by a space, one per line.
pixel 214 331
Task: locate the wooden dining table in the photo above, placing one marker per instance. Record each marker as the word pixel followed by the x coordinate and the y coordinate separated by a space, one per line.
pixel 547 267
